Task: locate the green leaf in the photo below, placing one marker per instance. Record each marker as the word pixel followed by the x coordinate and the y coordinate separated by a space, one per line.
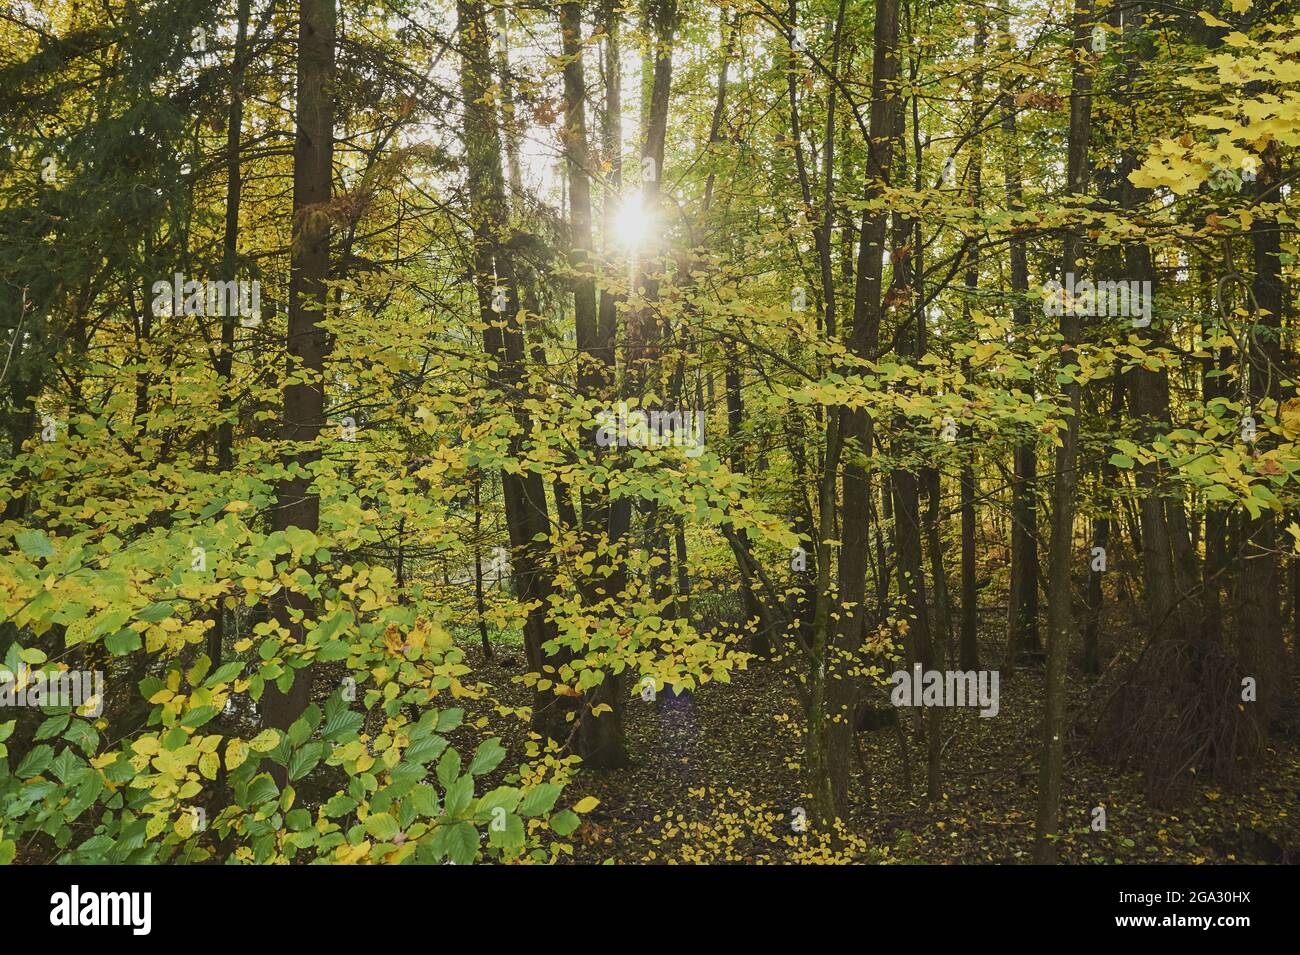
pixel 224 674
pixel 339 805
pixel 122 642
pixel 341 725
pixel 506 797
pixel 35 762
pixel 198 716
pixel 261 789
pixel 34 544
pixel 487 757
pixel 458 796
pixel 81 734
pixel 304 760
pixel 424 800
pixel 424 749
pixel 565 821
pixel 332 651
pixel 52 726
pixel 449 719
pixel 299 731
pixel 462 843
pixel 327 628
pixel 510 837
pixel 539 799
pixel 157 612
pixel 381 826
pixel 448 767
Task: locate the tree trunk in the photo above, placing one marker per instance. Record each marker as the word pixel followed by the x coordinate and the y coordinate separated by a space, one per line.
pixel 850 428
pixel 599 740
pixel 229 265
pixel 1065 478
pixel 1258 590
pixel 1022 605
pixel 524 494
pixel 304 401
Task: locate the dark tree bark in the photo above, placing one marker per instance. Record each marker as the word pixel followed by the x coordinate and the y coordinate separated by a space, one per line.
pixel 599 740
pixel 830 726
pixel 1022 607
pixel 229 266
pixel 1258 585
pixel 1101 534
pixel 611 143
pixel 480 605
pixel 1065 479
pixel 304 401
pixel 503 340
pixel 968 640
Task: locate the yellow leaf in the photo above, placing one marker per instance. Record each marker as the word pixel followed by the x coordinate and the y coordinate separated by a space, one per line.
pixel 586 804
pixel 236 754
pixel 1240 6
pixel 1289 415
pixel 105 759
pixel 347 855
pixel 208 765
pixel 1211 20
pixel 265 741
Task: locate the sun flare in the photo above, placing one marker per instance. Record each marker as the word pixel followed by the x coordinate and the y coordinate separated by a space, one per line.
pixel 632 224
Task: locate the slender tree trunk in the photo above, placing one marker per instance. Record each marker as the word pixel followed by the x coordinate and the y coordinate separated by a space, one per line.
pixel 304 401
pixel 1214 577
pixel 932 640
pixel 599 740
pixel 527 519
pixel 1022 607
pixel 1065 479
pixel 831 731
pixel 480 605
pixel 1258 590
pixel 968 650
pixel 1100 552
pixel 229 266
pixel 611 143
pixel 968 641
pixel 510 130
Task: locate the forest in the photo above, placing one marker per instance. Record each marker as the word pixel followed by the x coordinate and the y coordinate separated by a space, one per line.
pixel 649 432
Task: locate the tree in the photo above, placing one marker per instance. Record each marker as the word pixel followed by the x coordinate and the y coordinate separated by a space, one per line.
pixel 307 342
pixel 1065 477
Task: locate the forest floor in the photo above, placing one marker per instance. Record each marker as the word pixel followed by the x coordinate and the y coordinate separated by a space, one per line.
pixel 715 777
